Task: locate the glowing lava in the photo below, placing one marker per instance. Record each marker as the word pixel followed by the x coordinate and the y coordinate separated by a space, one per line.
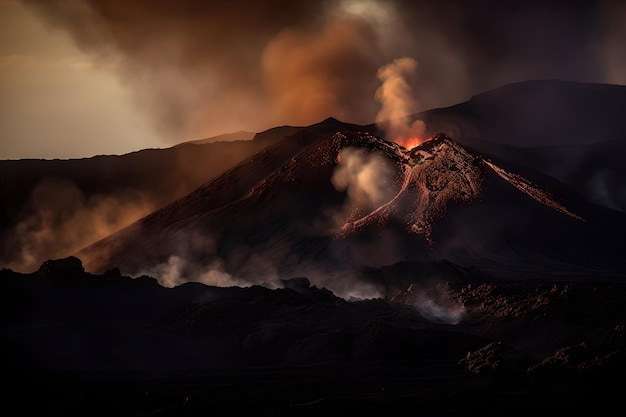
pixel 410 142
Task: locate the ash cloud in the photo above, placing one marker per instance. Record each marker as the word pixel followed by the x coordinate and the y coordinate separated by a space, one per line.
pixel 311 74
pixel 62 220
pixel 203 68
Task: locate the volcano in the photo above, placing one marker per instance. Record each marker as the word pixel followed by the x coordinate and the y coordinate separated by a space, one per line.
pixel 298 207
pixel 333 270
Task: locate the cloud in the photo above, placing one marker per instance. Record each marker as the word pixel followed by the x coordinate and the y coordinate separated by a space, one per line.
pixel 313 75
pixel 202 68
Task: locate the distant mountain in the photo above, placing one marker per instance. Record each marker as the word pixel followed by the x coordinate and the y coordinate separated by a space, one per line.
pixel 534 113
pixel 596 170
pixel 285 212
pixel 226 137
pixel 575 132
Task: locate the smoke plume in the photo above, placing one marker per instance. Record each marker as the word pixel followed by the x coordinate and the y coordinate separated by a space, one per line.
pixel 398 103
pixel 311 75
pixel 367 178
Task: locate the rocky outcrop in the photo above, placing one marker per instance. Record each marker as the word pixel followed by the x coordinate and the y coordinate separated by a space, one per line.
pixel 67 268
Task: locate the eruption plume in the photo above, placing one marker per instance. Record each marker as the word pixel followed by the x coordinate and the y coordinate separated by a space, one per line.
pixel 397 102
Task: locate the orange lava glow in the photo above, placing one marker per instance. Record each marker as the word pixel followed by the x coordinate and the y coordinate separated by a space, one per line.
pixel 411 142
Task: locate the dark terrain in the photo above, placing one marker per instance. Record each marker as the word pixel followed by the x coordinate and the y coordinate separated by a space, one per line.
pixel 77 343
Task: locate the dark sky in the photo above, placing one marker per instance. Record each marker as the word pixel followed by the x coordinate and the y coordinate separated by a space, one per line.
pixel 200 68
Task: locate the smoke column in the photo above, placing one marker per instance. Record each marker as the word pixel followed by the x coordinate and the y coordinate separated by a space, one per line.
pixel 397 101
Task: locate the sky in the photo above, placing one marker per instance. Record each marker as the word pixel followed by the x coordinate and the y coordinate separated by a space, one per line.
pixel 87 77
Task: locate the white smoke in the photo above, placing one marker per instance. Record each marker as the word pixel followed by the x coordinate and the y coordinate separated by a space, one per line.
pixel 435 303
pixel 367 178
pixel 614 39
pixel 436 311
